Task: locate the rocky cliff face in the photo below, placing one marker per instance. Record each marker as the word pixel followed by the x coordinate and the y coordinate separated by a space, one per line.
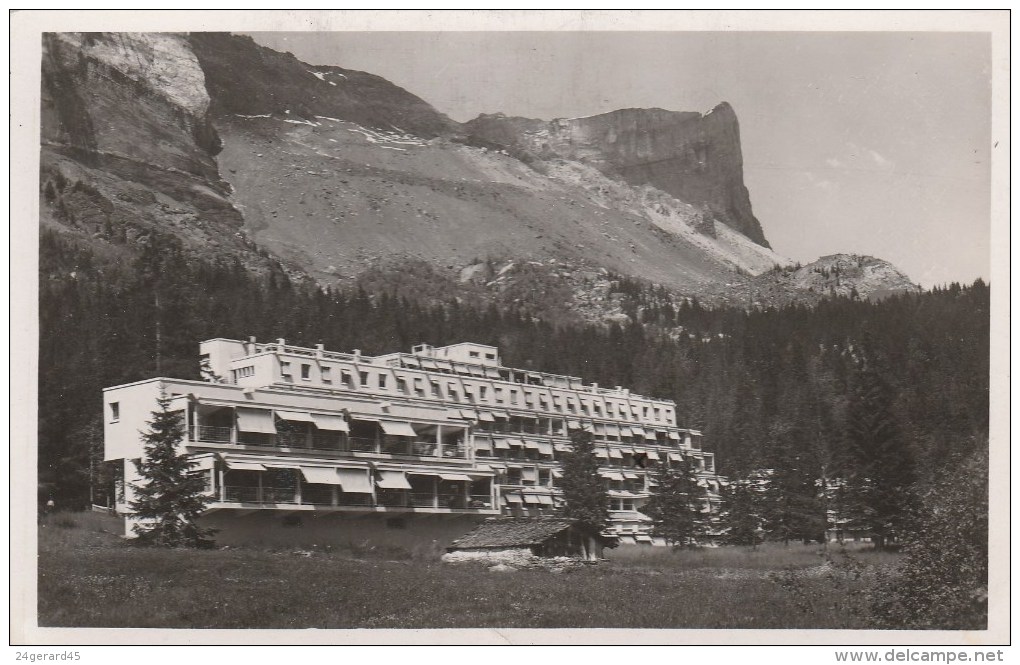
pixel 692 156
pixel 129 101
pixel 247 79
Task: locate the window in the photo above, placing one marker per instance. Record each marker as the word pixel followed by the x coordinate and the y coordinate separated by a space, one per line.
pixel 584 408
pixel 656 412
pixel 481 392
pixel 598 409
pixel 435 388
pixel 644 412
pixel 513 396
pixel 609 409
pixel 114 412
pixel 499 395
pixel 469 396
pixel 327 376
pixel 382 380
pixel 364 378
pixel 285 371
pixel 347 379
pixel 473 354
pixel 490 356
pixel 306 371
pixel 451 392
pixel 401 385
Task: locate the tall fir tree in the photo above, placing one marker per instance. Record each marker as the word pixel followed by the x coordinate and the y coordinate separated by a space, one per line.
pixel 676 505
pixel 584 490
pixel 742 518
pixel 880 474
pixel 173 494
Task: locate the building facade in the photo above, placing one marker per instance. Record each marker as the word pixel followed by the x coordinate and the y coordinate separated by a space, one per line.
pixel 308 443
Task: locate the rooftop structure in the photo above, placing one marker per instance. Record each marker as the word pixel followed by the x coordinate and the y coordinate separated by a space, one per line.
pixel 446 435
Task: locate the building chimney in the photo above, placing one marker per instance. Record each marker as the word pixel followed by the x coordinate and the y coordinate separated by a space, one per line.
pixel 281 341
pixel 357 355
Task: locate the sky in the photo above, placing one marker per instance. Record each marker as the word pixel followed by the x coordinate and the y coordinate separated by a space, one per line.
pixel 872 143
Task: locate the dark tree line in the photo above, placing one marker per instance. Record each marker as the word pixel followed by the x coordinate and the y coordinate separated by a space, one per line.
pixel 777 388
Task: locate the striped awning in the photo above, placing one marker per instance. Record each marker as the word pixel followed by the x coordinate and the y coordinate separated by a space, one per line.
pixel 562 447
pixel 255 420
pixel 244 465
pixel 297 416
pixel 652 454
pixel 615 452
pixel 395 428
pixel 637 431
pixel 393 480
pixel 501 444
pixel 330 422
pixel 676 457
pixel 650 435
pixel 482 443
pixel 320 475
pixel 674 435
pixel 611 475
pixel 455 476
pixel 486 416
pixel 354 481
pixel 468 413
pixel 545 448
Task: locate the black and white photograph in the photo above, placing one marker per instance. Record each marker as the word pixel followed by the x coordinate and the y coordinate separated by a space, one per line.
pixel 511 327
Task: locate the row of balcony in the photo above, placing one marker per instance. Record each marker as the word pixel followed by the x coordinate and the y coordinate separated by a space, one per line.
pixel 326 496
pixel 331 441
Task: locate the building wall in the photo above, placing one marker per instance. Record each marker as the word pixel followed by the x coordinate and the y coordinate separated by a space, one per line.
pixel 505 555
pixel 277 528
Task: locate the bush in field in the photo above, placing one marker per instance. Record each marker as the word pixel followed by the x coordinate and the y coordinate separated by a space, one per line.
pixel 173 495
pixel 942 583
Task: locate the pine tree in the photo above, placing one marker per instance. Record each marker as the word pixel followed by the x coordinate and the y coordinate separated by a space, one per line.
pixel 743 513
pixel 881 473
pixel 584 491
pixel 675 506
pixel 173 494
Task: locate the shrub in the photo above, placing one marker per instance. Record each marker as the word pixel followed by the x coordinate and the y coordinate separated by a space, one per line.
pixel 942 583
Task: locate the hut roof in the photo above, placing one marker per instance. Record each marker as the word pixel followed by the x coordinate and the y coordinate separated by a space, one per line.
pixel 512 532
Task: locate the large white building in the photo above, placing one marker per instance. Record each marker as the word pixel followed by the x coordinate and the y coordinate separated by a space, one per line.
pixel 304 444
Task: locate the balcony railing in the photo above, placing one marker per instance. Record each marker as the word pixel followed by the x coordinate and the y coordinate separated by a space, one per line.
pixel 323 441
pixel 324 496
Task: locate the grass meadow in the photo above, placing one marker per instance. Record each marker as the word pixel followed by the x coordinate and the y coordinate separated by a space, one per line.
pixel 89 577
